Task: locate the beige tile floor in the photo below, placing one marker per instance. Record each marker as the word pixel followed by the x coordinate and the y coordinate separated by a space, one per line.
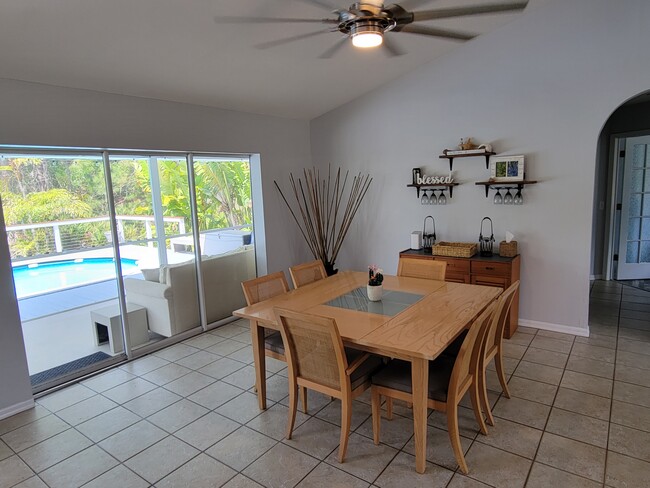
pixel 187 416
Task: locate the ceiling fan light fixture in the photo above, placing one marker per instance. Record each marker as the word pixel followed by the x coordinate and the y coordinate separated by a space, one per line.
pixel 367 34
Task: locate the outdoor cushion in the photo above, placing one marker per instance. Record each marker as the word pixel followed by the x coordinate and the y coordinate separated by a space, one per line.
pixel 151 274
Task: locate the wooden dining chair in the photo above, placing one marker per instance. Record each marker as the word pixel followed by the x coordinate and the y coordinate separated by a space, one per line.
pixel 317 360
pixel 493 348
pixel 449 379
pixel 303 274
pixel 263 288
pixel 422 268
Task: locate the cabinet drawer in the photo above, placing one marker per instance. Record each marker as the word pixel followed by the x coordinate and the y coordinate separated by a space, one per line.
pixel 488 268
pixel 455 266
pixel 490 280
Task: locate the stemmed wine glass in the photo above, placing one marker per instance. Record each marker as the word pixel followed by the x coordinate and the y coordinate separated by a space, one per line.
pixel 507 200
pixel 519 199
pixel 498 199
pixel 442 199
pixel 425 199
pixel 433 200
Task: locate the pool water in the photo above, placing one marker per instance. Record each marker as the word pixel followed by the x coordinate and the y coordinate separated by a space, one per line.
pixel 39 278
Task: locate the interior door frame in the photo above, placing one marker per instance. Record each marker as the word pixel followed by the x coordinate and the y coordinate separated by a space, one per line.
pixel 614 196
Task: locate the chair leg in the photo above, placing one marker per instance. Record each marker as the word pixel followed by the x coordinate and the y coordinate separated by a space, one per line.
pixel 293 407
pixel 389 408
pixel 477 398
pixel 483 395
pixel 303 398
pixel 346 421
pixel 498 362
pixel 376 414
pixel 454 436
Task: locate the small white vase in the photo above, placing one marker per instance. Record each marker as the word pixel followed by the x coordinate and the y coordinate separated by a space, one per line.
pixel 375 292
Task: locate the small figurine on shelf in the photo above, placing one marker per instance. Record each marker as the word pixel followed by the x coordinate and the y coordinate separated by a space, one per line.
pixel 466 144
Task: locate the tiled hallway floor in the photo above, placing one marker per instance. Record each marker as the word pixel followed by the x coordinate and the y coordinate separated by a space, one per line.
pixel 187 416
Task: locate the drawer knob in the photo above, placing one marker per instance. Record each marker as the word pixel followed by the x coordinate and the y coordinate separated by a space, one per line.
pixel 489 268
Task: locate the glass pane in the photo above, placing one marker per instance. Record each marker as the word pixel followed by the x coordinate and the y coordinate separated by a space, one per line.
pixel 632 254
pixel 646 185
pixel 637 180
pixel 633 229
pixel 645 229
pixel 57 220
pixel 645 252
pixel 635 205
pixel 646 205
pixel 638 155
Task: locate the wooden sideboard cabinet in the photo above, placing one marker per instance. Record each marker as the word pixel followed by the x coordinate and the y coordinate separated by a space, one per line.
pixel 478 270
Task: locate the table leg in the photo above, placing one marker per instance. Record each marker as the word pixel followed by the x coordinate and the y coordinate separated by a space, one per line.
pixel 420 379
pixel 257 341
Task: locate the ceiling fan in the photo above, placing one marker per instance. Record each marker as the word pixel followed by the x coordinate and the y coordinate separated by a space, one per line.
pixel 366 22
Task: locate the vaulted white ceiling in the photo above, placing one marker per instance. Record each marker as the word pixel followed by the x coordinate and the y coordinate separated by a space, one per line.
pixel 173 50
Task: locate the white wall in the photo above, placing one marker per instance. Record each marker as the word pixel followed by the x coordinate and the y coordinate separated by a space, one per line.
pixel 34 114
pixel 542 86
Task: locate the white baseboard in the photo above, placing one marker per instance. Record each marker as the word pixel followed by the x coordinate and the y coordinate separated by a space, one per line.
pixel 17 408
pixel 564 329
pixel 595 277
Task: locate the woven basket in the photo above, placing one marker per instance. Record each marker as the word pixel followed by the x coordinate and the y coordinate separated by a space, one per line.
pixel 508 249
pixel 454 249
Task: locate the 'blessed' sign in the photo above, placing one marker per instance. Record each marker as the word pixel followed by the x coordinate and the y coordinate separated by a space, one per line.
pixel 434 180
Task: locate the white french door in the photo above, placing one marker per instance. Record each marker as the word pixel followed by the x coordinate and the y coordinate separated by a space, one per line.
pixel 634 242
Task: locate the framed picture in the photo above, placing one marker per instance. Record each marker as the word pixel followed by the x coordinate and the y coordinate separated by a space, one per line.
pixel 507 168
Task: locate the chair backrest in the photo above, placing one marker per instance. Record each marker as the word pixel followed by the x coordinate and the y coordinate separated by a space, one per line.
pixel 500 317
pixel 467 360
pixel 422 268
pixel 314 349
pixel 265 287
pixel 303 274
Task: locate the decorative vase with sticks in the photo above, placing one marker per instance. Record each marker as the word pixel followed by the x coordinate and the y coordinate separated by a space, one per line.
pixel 326 210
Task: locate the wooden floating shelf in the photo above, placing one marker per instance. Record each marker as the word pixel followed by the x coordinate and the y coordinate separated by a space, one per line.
pixel 504 184
pixel 451 157
pixel 434 185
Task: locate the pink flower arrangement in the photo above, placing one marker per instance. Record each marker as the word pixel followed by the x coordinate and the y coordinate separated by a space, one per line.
pixel 375 275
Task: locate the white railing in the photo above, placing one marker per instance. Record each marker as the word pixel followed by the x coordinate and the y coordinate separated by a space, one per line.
pixel 120 219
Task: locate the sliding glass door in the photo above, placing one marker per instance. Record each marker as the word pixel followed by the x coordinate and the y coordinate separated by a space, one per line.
pixel 58 228
pixel 69 218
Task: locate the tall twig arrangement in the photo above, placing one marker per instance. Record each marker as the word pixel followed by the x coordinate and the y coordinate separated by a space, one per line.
pixel 325 212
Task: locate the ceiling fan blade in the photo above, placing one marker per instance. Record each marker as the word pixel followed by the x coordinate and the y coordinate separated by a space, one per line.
pixel 226 19
pixel 284 40
pixel 411 4
pixel 321 3
pixel 436 32
pixel 335 48
pixel 445 13
pixel 390 48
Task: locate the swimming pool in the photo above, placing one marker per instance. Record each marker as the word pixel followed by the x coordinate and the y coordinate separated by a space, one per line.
pixel 39 278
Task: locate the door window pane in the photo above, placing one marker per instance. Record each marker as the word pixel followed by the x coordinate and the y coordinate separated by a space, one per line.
pixel 632 255
pixel 638 155
pixel 637 180
pixel 645 252
pixel 633 229
pixel 645 229
pixel 635 204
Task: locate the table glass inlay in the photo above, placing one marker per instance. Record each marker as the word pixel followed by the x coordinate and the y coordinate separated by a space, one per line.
pixel 391 303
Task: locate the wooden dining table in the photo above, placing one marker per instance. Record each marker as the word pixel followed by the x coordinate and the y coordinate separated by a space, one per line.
pixel 418 333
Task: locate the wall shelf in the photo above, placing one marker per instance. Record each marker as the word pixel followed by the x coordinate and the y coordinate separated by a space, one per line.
pixel 435 186
pixel 504 184
pixel 451 157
